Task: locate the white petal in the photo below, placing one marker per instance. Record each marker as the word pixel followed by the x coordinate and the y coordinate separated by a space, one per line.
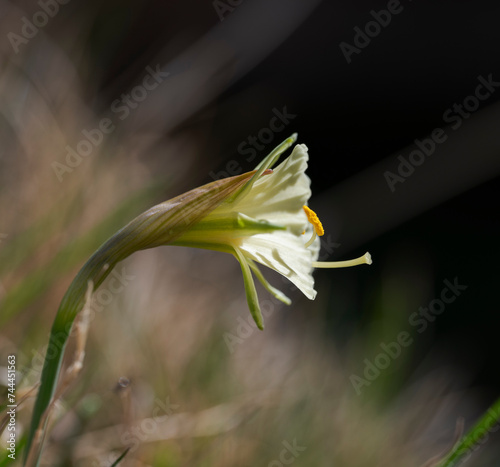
pixel 285 253
pixel 278 198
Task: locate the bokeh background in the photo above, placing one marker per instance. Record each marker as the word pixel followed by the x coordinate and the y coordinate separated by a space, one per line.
pixel 173 370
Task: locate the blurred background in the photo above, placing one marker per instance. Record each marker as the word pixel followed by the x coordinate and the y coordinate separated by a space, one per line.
pixel 107 108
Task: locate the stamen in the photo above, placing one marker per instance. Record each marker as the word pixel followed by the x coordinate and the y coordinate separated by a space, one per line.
pixel 365 259
pixel 311 240
pixel 314 220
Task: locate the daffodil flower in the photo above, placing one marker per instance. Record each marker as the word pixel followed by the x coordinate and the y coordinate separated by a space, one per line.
pixel 265 222
pixel 259 217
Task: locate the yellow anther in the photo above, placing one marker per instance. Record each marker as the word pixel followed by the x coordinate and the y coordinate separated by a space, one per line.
pixel 314 220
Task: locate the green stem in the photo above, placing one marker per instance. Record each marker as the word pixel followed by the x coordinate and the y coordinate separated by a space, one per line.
pixel 159 225
pixel 476 436
pixel 50 374
pixel 95 270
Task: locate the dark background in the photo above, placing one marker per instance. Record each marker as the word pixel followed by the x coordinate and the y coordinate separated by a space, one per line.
pixel 352 116
pixel 356 118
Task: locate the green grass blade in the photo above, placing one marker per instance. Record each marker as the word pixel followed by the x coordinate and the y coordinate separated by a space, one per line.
pixel 117 461
pixel 477 435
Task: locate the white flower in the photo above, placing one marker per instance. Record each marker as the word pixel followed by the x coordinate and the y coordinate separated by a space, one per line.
pixel 264 222
pixel 259 217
